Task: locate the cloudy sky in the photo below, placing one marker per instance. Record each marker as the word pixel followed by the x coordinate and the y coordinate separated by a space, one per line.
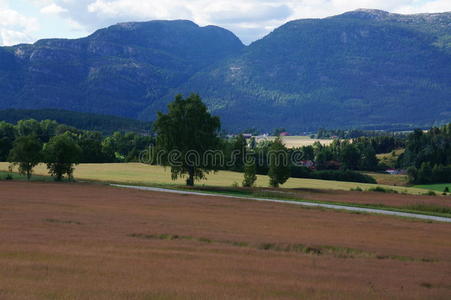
pixel 25 21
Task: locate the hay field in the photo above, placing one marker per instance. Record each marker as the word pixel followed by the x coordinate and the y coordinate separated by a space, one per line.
pixel 88 241
pixel 141 174
pixel 297 141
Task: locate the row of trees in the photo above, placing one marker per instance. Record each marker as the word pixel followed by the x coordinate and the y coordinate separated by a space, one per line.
pixel 357 133
pixel 96 148
pixel 30 142
pixel 60 154
pixel 427 174
pixel 188 127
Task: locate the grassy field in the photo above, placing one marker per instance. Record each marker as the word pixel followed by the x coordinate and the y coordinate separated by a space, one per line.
pixel 141 174
pixel 91 241
pixel 390 159
pixel 297 141
pixel 435 187
pixel 387 179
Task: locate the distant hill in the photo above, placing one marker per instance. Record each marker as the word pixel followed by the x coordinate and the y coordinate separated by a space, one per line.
pixel 86 121
pixel 118 70
pixel 361 69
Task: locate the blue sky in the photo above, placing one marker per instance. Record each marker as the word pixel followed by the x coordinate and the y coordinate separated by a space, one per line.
pixel 25 21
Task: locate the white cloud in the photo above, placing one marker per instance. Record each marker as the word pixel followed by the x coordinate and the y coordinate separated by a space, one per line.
pixel 16 28
pixel 427 7
pixel 148 9
pixel 52 9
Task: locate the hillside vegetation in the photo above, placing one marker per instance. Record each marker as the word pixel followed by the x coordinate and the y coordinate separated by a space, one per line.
pixel 117 70
pixel 358 69
pixel 364 68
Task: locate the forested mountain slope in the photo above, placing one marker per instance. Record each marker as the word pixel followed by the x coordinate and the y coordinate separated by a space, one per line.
pixel 360 68
pixel 363 68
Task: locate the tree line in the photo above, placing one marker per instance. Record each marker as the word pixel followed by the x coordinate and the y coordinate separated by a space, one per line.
pixel 86 121
pixel 188 125
pixel 189 128
pixel 30 142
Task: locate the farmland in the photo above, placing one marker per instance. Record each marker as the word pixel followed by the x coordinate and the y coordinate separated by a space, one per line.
pixel 141 174
pixel 68 241
pixel 297 141
pixel 388 179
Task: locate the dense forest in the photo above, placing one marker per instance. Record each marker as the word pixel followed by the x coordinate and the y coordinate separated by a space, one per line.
pixel 428 156
pixel 85 121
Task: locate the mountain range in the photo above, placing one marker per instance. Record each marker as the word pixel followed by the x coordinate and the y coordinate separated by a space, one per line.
pixel 365 68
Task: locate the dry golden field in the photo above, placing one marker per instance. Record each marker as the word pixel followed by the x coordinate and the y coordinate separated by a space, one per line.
pixel 141 174
pixel 297 141
pixel 88 241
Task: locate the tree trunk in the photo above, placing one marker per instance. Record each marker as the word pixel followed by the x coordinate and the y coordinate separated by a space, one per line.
pixel 190 179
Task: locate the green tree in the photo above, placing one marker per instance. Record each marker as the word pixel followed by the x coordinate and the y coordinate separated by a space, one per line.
pixel 90 143
pixel 279 167
pixel 308 153
pixel 7 136
pixel 26 153
pixel 412 174
pixel 425 173
pixel 239 152
pixel 250 174
pixel 188 131
pixel 28 127
pixel 350 157
pixel 61 154
pixel 323 156
pixel 369 160
pixel 48 129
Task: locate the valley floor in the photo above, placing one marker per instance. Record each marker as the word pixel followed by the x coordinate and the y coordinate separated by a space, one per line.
pixel 142 174
pixel 72 241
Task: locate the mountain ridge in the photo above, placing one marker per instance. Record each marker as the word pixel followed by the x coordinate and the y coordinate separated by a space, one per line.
pixel 380 68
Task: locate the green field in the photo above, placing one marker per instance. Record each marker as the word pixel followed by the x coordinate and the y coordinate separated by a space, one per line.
pixel 141 174
pixel 435 187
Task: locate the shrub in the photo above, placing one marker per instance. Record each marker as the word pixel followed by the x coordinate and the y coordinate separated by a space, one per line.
pixel 340 175
pixel 380 189
pixel 430 193
pixel 250 176
pixel 337 175
pixel 357 189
